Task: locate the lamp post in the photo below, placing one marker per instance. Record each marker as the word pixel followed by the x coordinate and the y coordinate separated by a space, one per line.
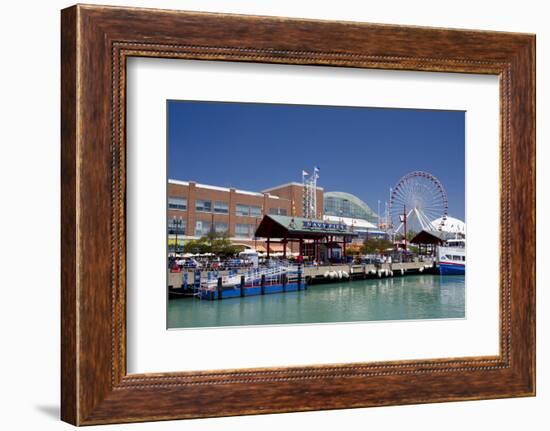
pixel 212 229
pixel 378 214
pixel 405 226
pixel 176 222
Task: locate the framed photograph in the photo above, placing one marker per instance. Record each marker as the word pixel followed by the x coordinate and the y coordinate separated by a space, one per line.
pixel 267 215
pixel 241 226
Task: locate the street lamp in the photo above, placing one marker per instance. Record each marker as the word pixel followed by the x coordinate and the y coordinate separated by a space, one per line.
pixel 176 222
pixel 212 229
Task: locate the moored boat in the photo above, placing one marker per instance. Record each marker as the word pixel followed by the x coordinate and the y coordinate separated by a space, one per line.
pixel 451 257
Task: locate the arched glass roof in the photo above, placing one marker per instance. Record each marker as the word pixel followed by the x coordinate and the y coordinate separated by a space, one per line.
pixel 342 204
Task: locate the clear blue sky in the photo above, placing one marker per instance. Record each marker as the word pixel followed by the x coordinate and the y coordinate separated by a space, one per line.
pixel 363 151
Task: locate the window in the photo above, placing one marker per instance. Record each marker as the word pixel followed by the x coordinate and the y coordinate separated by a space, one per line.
pixel 221 207
pixel 244 230
pixel 220 227
pixel 248 210
pixel 176 226
pixel 203 206
pixel 177 203
pixel 278 211
pixel 242 210
pixel 255 211
pixel 202 228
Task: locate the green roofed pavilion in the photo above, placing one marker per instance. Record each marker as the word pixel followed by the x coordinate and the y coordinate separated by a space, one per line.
pixel 299 229
pixel 277 226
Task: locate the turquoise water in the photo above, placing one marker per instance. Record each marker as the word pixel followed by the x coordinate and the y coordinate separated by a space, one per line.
pixel 410 297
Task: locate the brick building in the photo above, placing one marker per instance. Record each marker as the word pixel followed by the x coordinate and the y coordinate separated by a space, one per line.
pixel 194 209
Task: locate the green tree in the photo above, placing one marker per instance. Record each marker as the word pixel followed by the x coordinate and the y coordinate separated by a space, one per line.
pixel 221 245
pixel 413 249
pixel 196 246
pixel 213 242
pixel 375 245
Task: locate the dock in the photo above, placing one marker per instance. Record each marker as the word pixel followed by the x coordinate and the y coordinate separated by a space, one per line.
pixel 329 273
pixel 185 283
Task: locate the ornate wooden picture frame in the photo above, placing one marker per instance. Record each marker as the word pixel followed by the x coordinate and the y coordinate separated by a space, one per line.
pixel 96 42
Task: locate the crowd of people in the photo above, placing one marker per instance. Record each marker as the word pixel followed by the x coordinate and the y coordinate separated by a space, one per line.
pixel 216 263
pixel 207 263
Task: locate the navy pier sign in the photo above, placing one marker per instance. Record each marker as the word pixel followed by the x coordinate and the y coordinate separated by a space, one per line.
pixel 310 224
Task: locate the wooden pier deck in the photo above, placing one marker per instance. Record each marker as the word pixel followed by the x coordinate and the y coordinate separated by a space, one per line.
pixel 331 273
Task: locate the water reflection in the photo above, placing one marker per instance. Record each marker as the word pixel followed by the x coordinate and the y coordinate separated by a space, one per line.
pixel 410 297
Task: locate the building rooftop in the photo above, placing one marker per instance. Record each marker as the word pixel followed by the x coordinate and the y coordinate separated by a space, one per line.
pixel 221 189
pixel 293 183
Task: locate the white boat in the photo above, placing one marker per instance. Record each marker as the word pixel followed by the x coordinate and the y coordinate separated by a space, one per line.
pixel 451 257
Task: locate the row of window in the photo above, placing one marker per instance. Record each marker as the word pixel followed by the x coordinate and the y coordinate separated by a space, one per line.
pixel 220 207
pixel 244 230
pixel 278 211
pixel 248 210
pixel 454 257
pixel 177 204
pixel 203 227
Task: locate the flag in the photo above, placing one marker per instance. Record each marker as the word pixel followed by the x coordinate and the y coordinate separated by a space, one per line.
pixel 304 173
pixel 316 169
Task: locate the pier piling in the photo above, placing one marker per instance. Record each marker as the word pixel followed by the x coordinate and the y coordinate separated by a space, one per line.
pixel 220 289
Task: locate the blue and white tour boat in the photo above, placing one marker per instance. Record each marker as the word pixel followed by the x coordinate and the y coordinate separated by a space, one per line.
pixel 451 257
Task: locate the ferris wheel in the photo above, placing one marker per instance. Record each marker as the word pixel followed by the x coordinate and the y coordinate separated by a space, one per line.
pixel 417 200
